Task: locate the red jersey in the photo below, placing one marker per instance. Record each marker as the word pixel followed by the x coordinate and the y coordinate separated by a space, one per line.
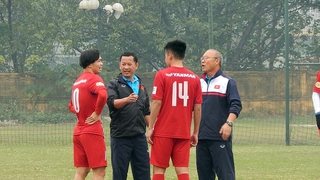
pixel 316 87
pixel 84 97
pixel 179 89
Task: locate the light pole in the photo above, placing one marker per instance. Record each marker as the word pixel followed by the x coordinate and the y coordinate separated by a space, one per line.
pixel 210 17
pixel 116 9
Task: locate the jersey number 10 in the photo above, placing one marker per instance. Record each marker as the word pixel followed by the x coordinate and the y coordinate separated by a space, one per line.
pixel 75 100
pixel 180 91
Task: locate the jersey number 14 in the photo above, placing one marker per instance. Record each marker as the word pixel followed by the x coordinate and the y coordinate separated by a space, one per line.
pixel 180 91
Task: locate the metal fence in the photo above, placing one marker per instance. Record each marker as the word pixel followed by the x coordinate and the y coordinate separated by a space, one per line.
pixel 262 120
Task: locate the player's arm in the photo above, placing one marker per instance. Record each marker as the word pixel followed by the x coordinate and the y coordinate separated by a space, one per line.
pixel 196 124
pixel 101 101
pixel 316 100
pixel 146 110
pixel 71 108
pixel 155 109
pixel 316 105
pixel 147 119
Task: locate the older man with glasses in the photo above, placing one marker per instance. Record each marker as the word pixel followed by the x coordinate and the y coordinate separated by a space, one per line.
pixel 221 106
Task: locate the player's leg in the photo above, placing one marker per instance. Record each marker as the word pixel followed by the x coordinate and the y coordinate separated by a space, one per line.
pixel 223 161
pixel 316 105
pixel 180 158
pixel 204 161
pixel 95 148
pixel 140 163
pixel 121 149
pixel 318 121
pixel 81 173
pixel 98 173
pixel 160 156
pixel 80 159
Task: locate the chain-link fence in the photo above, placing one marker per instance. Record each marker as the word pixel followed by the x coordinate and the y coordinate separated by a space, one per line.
pixel 262 120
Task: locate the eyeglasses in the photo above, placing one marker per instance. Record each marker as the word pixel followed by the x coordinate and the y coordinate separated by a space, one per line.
pixel 206 58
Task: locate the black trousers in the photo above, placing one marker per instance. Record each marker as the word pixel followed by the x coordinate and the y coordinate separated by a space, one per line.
pixel 132 150
pixel 215 158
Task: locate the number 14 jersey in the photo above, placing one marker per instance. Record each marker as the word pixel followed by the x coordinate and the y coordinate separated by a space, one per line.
pixel 179 89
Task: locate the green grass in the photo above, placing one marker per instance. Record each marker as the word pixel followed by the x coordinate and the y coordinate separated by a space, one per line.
pixel 247 130
pixel 44 151
pixel 263 162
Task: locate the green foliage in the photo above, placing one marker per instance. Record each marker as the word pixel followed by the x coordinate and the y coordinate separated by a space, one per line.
pixel 12 110
pixel 248 33
pixel 47 117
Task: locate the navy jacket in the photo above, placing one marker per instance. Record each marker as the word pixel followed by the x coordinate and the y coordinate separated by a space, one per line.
pixel 220 97
pixel 129 120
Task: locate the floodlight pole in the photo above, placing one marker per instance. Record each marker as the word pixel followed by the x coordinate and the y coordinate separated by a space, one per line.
pixel 116 10
pixel 99 28
pixel 210 17
pixel 286 20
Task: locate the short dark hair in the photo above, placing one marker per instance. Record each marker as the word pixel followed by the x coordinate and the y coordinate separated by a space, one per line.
pixel 135 58
pixel 177 48
pixel 88 57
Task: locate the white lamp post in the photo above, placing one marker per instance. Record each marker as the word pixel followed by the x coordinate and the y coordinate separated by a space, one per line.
pixel 116 9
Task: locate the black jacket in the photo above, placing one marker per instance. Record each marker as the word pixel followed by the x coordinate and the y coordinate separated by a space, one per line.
pixel 129 120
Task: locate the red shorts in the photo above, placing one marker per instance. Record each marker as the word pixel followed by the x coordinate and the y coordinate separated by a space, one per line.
pixel 164 148
pixel 89 150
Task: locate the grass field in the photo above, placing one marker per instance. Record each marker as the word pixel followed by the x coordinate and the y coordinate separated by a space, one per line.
pixel 251 131
pixel 44 151
pixel 263 162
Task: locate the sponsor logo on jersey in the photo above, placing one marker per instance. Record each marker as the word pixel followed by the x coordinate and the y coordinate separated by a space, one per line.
pixel 99 84
pixel 82 81
pixel 181 75
pixel 217 86
pixel 154 90
pixel 317 84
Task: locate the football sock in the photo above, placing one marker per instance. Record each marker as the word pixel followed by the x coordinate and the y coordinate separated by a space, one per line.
pixel 183 176
pixel 158 177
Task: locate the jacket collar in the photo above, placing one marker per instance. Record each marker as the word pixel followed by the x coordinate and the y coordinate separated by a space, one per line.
pixel 204 75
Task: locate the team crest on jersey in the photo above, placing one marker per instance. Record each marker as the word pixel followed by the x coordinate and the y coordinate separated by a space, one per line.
pixel 217 86
pixel 99 84
pixel 142 88
pixel 317 84
pixel 154 90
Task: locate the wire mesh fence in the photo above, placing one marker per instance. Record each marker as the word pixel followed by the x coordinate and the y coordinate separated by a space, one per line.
pixel 262 120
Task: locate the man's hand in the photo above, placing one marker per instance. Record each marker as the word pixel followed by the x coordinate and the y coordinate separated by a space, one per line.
pixel 93 118
pixel 194 140
pixel 225 131
pixel 131 98
pixel 149 136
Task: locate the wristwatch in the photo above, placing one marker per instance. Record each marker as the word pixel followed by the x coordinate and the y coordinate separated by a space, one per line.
pixel 230 123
